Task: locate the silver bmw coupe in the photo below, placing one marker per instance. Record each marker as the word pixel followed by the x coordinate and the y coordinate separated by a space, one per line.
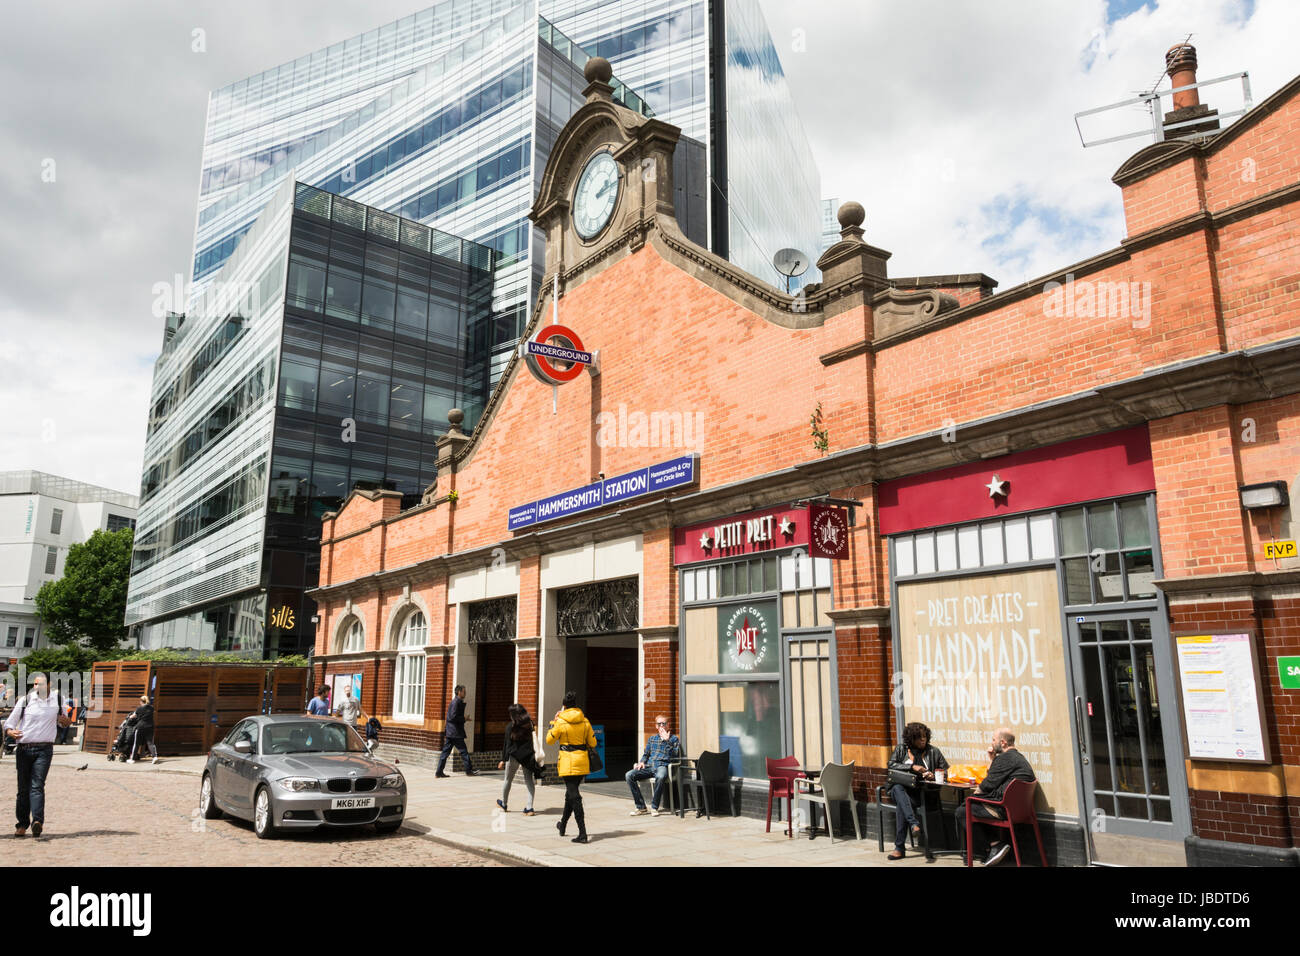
pixel 286 772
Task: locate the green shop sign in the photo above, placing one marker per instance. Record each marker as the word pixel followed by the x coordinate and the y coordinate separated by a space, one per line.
pixel 1288 669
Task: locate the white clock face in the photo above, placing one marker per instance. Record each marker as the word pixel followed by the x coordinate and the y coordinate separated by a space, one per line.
pixel 593 201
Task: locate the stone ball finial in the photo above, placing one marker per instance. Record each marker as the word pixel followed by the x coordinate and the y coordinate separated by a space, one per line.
pixel 598 70
pixel 455 418
pixel 851 215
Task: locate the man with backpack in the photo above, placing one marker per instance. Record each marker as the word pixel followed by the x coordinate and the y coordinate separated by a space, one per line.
pixel 34 722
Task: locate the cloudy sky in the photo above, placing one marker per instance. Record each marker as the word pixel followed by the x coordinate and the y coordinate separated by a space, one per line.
pixel 951 122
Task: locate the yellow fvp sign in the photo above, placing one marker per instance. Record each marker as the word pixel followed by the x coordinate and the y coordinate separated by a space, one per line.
pixel 1280 549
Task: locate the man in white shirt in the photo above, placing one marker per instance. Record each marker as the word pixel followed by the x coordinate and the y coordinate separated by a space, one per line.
pixel 34 722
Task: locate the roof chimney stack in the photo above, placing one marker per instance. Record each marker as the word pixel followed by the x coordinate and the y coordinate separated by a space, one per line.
pixel 1180 64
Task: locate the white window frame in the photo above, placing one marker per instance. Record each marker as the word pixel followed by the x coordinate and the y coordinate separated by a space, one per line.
pixel 354 638
pixel 408 675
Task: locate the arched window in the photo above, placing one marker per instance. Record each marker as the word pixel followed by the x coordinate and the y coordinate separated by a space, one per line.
pixel 354 637
pixel 408 692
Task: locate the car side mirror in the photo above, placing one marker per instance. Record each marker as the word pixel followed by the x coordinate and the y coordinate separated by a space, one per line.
pixel 243 746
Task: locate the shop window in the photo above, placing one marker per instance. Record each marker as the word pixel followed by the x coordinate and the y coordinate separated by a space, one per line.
pixel 991 543
pixel 742 718
pixel 11 639
pixel 968 546
pixel 1042 537
pixel 1016 532
pixel 945 544
pixel 925 554
pixel 904 556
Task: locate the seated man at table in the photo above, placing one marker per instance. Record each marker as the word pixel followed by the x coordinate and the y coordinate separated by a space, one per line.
pixel 1007 764
pixel 660 750
pixel 915 756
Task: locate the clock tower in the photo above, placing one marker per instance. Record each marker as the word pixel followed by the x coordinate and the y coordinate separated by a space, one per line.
pixel 609 176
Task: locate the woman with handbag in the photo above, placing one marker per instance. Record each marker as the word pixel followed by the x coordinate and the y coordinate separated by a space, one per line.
pixel 517 751
pixel 913 760
pixel 572 731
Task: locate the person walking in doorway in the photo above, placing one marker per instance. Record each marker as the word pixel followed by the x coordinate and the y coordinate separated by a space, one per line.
pixel 454 734
pixel 572 731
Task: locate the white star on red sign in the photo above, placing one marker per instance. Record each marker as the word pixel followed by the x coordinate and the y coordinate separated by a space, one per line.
pixel 705 542
pixel 997 488
pixel 787 526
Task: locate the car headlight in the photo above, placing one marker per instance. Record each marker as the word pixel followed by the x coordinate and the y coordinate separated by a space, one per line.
pixel 392 781
pixel 298 784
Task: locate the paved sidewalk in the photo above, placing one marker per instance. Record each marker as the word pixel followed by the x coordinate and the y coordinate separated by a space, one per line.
pixel 462 811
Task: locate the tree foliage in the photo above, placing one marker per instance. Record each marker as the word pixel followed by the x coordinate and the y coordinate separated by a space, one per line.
pixel 88 604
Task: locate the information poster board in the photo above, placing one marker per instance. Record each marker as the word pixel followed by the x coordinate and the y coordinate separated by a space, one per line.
pixel 982 652
pixel 343 685
pixel 1222 713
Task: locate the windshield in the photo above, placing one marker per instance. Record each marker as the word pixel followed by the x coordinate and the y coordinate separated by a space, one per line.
pixel 311 737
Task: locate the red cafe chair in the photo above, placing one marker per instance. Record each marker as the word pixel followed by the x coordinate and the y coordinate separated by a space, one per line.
pixel 1017 804
pixel 780 784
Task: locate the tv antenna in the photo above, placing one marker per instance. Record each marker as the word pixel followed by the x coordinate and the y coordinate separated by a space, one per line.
pixel 790 263
pixel 1180 61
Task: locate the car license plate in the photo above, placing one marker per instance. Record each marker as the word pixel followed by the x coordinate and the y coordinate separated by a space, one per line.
pixel 352 803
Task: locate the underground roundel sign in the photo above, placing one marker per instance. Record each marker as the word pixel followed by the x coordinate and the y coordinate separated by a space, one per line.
pixel 747 632
pixel 555 355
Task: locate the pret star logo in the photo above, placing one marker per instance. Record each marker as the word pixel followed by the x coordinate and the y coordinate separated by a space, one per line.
pixel 749 631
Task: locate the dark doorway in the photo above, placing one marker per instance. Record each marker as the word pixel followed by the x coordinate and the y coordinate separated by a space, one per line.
pixel 494 693
pixel 612 701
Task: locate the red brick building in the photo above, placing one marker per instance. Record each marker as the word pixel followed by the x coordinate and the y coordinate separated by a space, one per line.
pixel 1036 493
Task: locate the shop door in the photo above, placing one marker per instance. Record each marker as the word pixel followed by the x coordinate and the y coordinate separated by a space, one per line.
pixel 1125 735
pixel 810 699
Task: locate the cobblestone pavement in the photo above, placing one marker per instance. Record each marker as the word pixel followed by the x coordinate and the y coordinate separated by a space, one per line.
pixel 149 816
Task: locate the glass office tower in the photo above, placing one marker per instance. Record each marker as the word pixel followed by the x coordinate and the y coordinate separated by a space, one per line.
pixel 324 356
pixel 440 116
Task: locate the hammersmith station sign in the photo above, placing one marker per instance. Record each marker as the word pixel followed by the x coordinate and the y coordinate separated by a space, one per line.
pixel 635 484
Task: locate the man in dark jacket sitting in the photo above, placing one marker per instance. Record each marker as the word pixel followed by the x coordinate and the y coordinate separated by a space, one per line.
pixel 915 756
pixel 1007 764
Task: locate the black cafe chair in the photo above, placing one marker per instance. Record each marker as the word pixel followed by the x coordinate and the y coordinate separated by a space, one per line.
pixel 711 770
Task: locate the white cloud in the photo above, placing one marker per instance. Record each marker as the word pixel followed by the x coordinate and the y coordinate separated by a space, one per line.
pixel 952 123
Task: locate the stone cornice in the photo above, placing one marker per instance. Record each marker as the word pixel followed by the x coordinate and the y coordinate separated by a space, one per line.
pixel 850 617
pixel 1243 584
pixel 658 633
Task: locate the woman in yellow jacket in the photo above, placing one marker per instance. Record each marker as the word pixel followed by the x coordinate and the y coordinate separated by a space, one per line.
pixel 572 731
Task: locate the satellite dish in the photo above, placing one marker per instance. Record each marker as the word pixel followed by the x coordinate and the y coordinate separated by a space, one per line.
pixel 790 263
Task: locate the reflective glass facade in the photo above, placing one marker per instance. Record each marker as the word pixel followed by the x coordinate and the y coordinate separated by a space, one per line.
pixel 442 117
pixel 711 68
pixel 324 356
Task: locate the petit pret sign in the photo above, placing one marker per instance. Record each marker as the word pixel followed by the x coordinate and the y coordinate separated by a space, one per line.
pixel 635 484
pixel 555 355
pixel 822 530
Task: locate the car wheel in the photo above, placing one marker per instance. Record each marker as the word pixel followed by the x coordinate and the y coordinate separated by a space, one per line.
pixel 263 825
pixel 207 802
pixel 388 826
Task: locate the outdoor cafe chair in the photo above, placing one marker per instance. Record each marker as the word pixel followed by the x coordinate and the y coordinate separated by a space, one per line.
pixel 1018 803
pixel 780 784
pixel 711 770
pixel 834 785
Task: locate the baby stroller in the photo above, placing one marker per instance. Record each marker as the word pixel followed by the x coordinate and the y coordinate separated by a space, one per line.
pixel 125 731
